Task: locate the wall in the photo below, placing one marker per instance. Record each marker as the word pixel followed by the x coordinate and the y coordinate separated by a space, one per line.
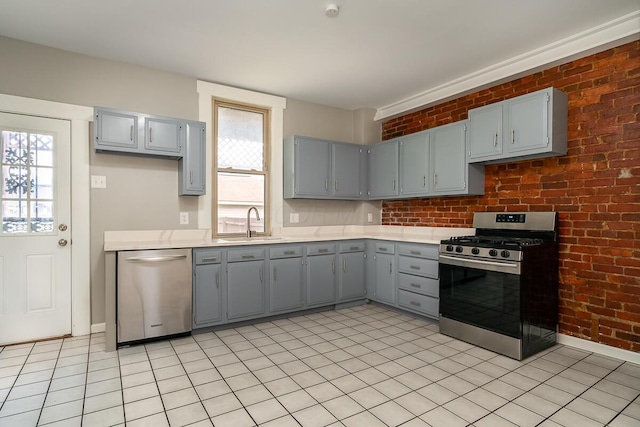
pixel 318 121
pixel 595 188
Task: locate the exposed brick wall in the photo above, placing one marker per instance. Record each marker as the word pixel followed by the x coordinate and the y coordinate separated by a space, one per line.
pixel 595 187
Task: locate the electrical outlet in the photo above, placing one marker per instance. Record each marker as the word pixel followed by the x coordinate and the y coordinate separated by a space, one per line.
pixel 98 181
pixel 184 218
pixel 294 218
pixel 369 217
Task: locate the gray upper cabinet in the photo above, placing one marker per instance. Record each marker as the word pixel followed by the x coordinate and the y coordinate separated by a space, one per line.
pixel 527 127
pixel 191 167
pixel 321 275
pixel 321 169
pixel 115 130
pixel 163 135
pixel 287 278
pixel 414 165
pixel 383 170
pixel 346 162
pixel 451 172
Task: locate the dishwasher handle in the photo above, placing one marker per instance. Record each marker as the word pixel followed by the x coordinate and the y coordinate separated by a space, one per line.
pixel 156 258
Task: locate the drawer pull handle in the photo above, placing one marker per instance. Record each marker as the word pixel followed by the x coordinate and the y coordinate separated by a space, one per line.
pixel 209 259
pixel 289 252
pixel 324 250
pixel 417 304
pixel 415 252
pixel 415 285
pixel 414 267
pixel 382 249
pixel 354 248
pixel 248 256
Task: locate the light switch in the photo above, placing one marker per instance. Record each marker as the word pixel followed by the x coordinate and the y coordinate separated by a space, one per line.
pixel 369 217
pixel 294 218
pixel 184 218
pixel 98 181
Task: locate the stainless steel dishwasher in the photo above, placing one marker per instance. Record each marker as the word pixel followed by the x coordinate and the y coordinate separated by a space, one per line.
pixel 153 293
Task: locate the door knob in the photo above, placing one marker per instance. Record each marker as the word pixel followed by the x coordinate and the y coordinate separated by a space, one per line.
pixel 62 227
pixel 62 242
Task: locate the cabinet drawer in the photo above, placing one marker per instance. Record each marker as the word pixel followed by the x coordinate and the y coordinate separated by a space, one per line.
pixel 208 257
pixel 285 252
pixel 421 303
pixel 385 248
pixel 321 249
pixel 418 266
pixel 351 247
pixel 421 285
pixel 245 255
pixel 420 251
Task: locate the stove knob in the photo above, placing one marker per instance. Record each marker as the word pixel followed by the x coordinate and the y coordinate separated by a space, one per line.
pixel 459 249
pixel 505 254
pixel 493 252
pixel 449 248
pixel 475 251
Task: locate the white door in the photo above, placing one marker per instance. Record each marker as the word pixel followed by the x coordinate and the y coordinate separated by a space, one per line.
pixel 35 253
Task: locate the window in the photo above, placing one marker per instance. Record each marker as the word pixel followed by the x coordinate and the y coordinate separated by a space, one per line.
pixel 239 168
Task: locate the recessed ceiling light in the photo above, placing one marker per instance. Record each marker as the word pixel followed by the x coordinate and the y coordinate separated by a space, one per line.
pixel 332 10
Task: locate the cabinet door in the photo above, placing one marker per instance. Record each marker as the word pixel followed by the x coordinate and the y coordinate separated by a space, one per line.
pixel 385 278
pixel 321 280
pixel 116 129
pixel 207 295
pixel 449 161
pixel 414 164
pixel 191 167
pixel 346 165
pixel 286 284
pixel 352 276
pixel 485 133
pixel 528 123
pixel 383 170
pixel 312 167
pixel 245 289
pixel 162 135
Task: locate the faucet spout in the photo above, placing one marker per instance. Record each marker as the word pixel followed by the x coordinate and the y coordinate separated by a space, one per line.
pixel 252 208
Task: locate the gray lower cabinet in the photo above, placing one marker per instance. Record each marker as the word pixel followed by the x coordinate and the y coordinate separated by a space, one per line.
pixel 385 273
pixel 287 279
pixel 383 170
pixel 321 274
pixel 191 167
pixel 351 277
pixel 245 283
pixel 418 284
pixel 207 288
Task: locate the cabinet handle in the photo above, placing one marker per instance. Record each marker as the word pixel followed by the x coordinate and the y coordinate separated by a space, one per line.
pixel 394 184
pixel 326 184
pixel 323 250
pixel 415 285
pixel 217 279
pixel 150 134
pixel 289 252
pixel 414 267
pixel 354 248
pixel 333 266
pixel 275 274
pixel 131 133
pixel 389 267
pixel 260 271
pixel 336 185
pixel 191 177
pixel 435 179
pixel 248 256
pixel 424 181
pixel 513 136
pixel 209 259
pixel 344 265
pixel 415 252
pixel 382 249
pixel 417 304
pixel 495 140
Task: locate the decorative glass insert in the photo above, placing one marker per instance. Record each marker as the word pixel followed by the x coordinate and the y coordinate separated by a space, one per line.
pixel 27 182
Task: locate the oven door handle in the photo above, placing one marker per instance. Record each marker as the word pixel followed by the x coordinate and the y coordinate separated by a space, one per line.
pixel 503 267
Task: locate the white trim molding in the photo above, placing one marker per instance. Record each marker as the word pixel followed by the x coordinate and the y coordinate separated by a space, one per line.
pixel 79 116
pixel 602 349
pixel 98 327
pixel 276 105
pixel 606 36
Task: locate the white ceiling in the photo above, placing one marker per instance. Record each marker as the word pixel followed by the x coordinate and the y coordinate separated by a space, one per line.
pixel 376 53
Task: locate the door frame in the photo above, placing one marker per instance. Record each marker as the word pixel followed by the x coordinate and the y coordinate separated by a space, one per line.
pixel 79 117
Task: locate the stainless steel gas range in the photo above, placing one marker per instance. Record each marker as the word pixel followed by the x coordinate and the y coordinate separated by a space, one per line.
pixel 499 288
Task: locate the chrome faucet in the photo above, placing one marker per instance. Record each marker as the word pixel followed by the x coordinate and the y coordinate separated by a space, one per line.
pixel 252 208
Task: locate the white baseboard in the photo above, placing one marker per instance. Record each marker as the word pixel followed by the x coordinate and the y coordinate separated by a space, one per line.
pixel 602 349
pixel 97 327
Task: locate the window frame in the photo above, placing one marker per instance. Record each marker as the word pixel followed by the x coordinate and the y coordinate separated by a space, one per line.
pixel 265 172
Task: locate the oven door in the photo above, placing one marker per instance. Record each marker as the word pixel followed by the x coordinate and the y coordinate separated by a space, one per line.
pixel 481 293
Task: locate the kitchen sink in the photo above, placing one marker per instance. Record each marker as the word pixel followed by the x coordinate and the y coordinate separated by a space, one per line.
pixel 256 239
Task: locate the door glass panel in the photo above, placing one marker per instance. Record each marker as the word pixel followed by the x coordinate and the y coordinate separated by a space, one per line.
pixel 236 194
pixel 27 182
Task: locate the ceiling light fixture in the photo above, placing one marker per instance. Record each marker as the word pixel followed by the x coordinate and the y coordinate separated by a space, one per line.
pixel 332 10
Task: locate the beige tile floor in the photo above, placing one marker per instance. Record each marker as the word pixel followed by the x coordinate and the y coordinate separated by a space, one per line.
pixel 360 366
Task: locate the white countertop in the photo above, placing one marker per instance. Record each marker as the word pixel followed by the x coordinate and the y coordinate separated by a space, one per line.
pixel 174 239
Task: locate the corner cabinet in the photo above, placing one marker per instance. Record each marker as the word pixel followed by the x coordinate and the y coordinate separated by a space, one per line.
pixel 191 167
pixel 527 127
pixel 321 169
pixel 452 174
